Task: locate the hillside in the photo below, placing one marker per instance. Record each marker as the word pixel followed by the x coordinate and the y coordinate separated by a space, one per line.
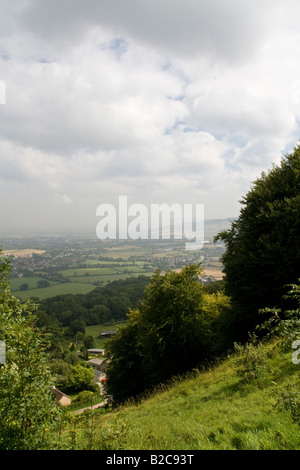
pixel 246 402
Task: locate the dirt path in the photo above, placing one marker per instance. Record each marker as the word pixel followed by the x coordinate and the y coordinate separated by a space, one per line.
pixel 98 405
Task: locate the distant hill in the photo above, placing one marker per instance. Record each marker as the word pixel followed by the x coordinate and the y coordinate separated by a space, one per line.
pixel 214 226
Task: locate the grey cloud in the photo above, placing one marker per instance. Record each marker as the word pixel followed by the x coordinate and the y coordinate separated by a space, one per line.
pixel 162 100
pixel 226 29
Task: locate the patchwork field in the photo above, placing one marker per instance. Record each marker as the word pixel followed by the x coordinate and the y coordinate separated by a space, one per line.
pixel 48 266
pixel 27 253
pixel 75 280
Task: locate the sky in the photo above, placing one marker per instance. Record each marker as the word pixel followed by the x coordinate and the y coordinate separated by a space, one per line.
pixel 162 101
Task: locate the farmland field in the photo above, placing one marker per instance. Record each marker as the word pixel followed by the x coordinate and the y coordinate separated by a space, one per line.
pixel 95 331
pixel 55 289
pixel 48 266
pixel 75 281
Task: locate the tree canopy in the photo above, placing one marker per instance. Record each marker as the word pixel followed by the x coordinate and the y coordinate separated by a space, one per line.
pixel 169 334
pixel 26 400
pixel 262 246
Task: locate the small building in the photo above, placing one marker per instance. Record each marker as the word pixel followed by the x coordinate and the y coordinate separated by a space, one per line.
pixel 107 334
pixel 61 397
pixel 96 363
pixel 99 365
pixel 96 351
pixel 105 364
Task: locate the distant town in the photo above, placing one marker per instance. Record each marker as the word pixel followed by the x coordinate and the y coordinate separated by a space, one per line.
pixel 45 266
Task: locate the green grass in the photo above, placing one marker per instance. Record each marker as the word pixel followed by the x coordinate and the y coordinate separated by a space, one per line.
pixel 16 282
pixel 55 289
pixel 85 280
pixel 211 410
pixel 95 330
pixel 73 273
pixel 124 253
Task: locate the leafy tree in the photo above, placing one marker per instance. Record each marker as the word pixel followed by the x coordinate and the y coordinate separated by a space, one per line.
pixel 217 308
pixel 174 327
pixel 60 370
pixel 81 378
pixel 76 326
pixel 125 376
pixel 262 246
pixel 43 283
pixel 89 341
pixel 168 335
pixel 26 401
pixel 284 325
pixel 52 327
pixel 24 286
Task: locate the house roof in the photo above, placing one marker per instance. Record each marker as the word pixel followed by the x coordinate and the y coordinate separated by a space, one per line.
pixel 58 393
pixel 95 361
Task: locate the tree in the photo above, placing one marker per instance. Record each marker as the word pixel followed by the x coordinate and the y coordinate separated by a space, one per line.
pixel 89 341
pixel 284 325
pixel 43 283
pixel 76 326
pixel 27 405
pixel 125 376
pixel 24 286
pixel 168 335
pixel 262 246
pixel 174 328
pixel 81 378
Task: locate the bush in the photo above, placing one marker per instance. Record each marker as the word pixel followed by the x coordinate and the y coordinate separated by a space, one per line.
pixel 84 396
pixel 290 400
pixel 81 378
pixel 284 325
pixel 250 360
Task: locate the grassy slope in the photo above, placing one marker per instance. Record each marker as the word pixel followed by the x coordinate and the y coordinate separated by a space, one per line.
pixel 213 410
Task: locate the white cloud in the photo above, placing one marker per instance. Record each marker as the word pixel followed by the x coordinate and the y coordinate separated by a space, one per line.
pixel 162 101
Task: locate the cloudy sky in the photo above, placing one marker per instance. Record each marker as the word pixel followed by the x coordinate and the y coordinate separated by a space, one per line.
pixel 164 101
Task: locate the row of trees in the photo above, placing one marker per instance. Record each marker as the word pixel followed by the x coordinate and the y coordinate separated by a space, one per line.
pixel 102 305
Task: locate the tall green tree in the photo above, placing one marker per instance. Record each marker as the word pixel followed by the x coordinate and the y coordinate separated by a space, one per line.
pixel 27 407
pixel 262 246
pixel 173 327
pixel 168 335
pixel 81 378
pixel 125 375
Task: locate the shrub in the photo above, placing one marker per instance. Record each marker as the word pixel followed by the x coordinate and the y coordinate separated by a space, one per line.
pixel 290 401
pixel 250 360
pixel 284 325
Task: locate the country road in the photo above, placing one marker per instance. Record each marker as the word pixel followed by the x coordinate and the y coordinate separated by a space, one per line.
pixel 98 405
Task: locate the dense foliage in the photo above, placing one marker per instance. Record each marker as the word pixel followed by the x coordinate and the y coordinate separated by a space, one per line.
pixel 284 324
pixel 26 401
pixel 102 305
pixel 262 246
pixel 170 333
